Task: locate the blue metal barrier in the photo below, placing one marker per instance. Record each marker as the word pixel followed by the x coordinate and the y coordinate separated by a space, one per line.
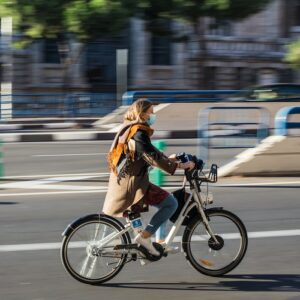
pixel 204 124
pixel 94 104
pixel 282 123
pixel 173 96
pixel 59 105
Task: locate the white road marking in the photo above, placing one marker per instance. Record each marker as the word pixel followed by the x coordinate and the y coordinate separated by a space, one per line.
pixel 52 193
pixel 49 184
pixel 92 189
pixel 259 183
pixel 159 107
pixel 103 174
pixel 251 235
pixel 69 154
pixel 50 246
pixel 57 187
pixel 37 183
pixel 102 142
pixel 117 126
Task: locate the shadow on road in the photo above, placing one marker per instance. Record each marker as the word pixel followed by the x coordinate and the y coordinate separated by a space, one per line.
pixel 253 283
pixel 8 203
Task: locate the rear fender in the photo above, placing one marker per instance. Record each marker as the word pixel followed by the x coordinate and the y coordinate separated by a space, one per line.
pixel 90 217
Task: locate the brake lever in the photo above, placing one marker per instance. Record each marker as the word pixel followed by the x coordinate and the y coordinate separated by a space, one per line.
pixel 213 174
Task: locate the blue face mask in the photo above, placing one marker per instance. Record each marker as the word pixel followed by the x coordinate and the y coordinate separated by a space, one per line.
pixel 152 119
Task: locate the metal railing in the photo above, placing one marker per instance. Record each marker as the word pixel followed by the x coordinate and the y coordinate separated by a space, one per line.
pixel 173 96
pixel 57 105
pixel 282 122
pixel 232 125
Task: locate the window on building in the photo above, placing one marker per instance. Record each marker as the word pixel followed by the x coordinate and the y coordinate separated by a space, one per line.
pixel 161 46
pixel 51 53
pixel 210 77
pixel 245 77
pixel 286 75
pixel 223 28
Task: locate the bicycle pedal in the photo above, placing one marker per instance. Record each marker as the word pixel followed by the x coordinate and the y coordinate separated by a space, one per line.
pixel 134 256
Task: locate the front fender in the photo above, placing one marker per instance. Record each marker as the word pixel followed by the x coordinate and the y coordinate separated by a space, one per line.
pixel 213 209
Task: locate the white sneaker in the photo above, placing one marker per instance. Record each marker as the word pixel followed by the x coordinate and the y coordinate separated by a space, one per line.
pixel 147 244
pixel 172 250
pixel 168 249
pixel 145 262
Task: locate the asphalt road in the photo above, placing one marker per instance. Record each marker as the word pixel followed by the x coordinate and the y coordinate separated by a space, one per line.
pixel 53 158
pixel 35 211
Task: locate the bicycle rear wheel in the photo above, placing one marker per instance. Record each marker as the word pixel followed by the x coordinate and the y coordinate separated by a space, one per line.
pixel 209 257
pixel 82 255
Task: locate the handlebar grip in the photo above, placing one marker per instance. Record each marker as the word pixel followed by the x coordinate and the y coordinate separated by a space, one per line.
pixel 183 157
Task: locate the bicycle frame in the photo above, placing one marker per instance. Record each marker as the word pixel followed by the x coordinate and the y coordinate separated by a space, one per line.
pixel 107 239
pixel 198 202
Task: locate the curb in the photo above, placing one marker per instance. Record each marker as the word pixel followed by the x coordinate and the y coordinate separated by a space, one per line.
pixel 8 128
pixel 77 135
pixel 87 136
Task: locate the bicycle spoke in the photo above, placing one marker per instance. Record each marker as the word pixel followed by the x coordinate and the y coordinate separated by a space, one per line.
pixel 217 253
pixel 84 266
pixel 84 253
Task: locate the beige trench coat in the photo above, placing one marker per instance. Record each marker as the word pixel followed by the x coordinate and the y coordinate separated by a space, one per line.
pixel 132 188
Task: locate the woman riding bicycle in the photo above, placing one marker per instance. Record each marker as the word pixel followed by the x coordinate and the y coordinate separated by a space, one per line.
pixel 129 187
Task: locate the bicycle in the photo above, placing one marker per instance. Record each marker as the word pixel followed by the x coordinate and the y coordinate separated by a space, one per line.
pixel 96 247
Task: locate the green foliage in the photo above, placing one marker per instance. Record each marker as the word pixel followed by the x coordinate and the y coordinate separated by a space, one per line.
pixel 293 55
pixel 36 18
pixel 97 18
pixel 238 10
pixel 90 19
pixel 87 19
pixel 191 10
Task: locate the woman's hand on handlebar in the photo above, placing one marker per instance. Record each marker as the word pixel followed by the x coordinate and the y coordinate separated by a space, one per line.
pixel 182 165
pixel 187 165
pixel 173 157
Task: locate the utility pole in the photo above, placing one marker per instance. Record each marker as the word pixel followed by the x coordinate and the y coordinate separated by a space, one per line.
pixel 122 66
pixel 6 68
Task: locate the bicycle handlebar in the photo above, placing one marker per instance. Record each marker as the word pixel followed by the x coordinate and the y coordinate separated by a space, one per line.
pixel 199 164
pixel 183 157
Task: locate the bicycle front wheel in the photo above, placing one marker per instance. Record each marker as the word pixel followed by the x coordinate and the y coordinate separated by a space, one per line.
pixel 208 256
pixel 82 254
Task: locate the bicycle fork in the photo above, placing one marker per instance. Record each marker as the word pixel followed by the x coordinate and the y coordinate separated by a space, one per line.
pixel 204 218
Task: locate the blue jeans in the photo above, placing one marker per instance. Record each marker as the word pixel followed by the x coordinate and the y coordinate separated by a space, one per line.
pixel 161 232
pixel 165 210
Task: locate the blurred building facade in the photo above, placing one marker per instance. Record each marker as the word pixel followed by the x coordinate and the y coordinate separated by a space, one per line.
pixel 239 54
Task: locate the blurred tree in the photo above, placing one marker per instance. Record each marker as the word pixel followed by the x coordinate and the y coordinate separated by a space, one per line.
pixel 293 54
pixel 86 20
pixel 67 20
pixel 193 12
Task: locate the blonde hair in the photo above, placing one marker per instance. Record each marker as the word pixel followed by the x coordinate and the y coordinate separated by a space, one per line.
pixel 137 110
